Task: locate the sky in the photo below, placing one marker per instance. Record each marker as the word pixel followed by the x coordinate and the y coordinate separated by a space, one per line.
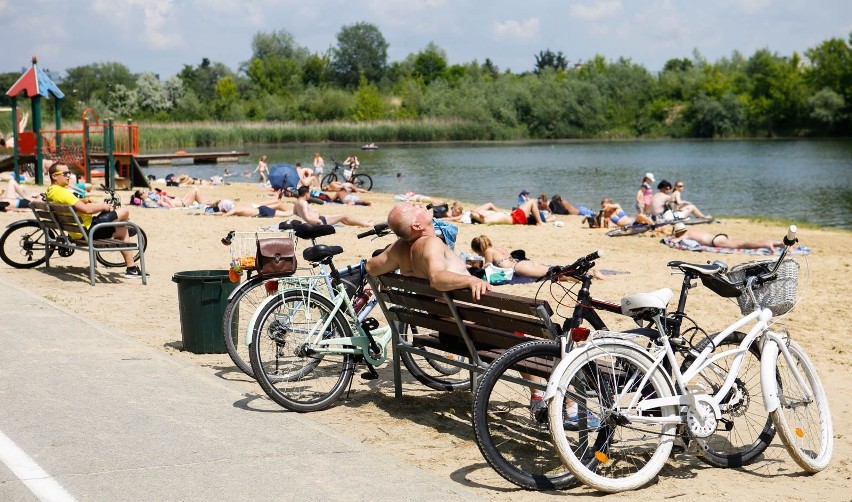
pixel 161 36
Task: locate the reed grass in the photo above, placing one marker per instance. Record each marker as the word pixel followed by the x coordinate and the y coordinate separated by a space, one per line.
pixel 158 135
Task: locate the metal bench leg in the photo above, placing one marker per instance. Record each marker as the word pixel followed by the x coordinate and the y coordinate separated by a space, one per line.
pixel 92 261
pixel 397 370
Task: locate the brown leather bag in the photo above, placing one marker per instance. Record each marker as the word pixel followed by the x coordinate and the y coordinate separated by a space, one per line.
pixel 276 256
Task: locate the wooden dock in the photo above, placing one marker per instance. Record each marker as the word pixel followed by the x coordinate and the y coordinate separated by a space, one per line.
pixel 145 160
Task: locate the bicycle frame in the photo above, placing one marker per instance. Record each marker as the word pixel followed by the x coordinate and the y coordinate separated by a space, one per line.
pixel 356 345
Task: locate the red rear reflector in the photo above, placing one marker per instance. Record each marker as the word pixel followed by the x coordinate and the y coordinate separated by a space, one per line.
pixel 579 334
pixel 271 287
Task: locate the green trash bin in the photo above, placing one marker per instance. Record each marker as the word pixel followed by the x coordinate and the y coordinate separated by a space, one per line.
pixel 202 298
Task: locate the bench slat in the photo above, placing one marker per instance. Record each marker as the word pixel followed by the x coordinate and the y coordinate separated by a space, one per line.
pixel 492 299
pixel 534 365
pixel 482 336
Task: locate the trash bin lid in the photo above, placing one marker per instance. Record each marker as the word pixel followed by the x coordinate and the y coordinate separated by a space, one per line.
pixel 201 276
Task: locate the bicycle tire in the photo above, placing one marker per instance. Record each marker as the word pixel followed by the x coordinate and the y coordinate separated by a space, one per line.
pixel 114 259
pixel 282 362
pixel 242 303
pixel 695 221
pixel 804 427
pixel 431 373
pixel 327 179
pixel 748 427
pixel 514 440
pixel 618 455
pixel 363 181
pixel 24 245
pixel 629 230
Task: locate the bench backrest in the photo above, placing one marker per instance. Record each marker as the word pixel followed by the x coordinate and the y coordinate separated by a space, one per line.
pixel 62 219
pixel 497 320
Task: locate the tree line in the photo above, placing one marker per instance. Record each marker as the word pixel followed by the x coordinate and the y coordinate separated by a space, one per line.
pixel 763 95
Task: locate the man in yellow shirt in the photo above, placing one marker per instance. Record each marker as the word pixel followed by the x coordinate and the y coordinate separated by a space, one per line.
pixel 59 193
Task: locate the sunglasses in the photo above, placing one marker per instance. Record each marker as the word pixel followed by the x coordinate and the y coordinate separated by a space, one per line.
pixel 63 173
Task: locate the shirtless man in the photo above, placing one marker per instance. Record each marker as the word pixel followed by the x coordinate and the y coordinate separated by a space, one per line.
pixel 719 240
pixel 303 210
pixel 420 253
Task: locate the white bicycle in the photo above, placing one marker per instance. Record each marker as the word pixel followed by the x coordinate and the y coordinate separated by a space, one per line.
pixel 634 398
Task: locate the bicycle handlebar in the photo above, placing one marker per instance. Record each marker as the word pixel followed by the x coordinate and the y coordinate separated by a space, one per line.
pixel 579 267
pixel 378 230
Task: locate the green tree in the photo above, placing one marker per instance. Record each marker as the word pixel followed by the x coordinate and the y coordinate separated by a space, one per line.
pixel 202 79
pixel 368 103
pixel 226 98
pixel 317 70
pixel 150 94
pixel 430 63
pixel 361 50
pixel 826 109
pixel 549 59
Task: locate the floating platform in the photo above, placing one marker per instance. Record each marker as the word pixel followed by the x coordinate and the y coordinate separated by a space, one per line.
pixel 145 160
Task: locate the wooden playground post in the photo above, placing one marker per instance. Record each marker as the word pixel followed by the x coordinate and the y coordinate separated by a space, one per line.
pixel 39 155
pixel 109 146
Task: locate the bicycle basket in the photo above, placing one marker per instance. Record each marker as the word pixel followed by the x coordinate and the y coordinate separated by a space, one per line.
pixel 778 295
pixel 243 247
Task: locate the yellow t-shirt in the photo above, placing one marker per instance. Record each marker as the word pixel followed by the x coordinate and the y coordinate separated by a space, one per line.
pixel 56 194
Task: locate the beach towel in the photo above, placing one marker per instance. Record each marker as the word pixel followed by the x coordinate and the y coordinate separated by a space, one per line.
pixel 691 245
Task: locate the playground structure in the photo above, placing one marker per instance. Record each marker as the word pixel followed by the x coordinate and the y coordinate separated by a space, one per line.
pixel 98 149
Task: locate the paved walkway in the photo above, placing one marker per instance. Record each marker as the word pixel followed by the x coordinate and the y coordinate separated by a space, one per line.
pixel 107 417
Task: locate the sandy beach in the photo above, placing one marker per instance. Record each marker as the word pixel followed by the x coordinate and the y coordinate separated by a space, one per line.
pixel 432 430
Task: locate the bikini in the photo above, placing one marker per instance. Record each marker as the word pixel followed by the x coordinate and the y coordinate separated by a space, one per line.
pixel 713 240
pixel 617 216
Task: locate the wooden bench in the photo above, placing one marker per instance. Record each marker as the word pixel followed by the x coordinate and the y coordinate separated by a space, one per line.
pixel 453 322
pixel 59 222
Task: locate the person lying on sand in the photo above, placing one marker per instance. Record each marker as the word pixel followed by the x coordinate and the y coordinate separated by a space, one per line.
pixel 526 213
pixel 681 232
pixel 501 257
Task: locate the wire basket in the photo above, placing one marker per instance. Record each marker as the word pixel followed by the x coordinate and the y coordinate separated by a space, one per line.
pixel 778 295
pixel 243 247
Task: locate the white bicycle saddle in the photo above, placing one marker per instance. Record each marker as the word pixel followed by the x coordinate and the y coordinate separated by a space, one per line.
pixel 655 300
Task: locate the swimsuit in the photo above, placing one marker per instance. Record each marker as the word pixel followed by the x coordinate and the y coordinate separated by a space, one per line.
pixel 617 216
pixel 322 219
pixel 713 240
pixel 519 217
pixel 23 203
pixel 265 212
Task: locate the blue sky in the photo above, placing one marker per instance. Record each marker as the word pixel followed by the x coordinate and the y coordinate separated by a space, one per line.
pixel 162 35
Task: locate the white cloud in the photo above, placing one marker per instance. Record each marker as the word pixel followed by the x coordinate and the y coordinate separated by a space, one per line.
pixel 158 19
pixel 595 11
pixel 518 30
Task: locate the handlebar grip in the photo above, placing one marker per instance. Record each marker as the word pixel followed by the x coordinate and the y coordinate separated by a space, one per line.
pixel 791 238
pixel 377 229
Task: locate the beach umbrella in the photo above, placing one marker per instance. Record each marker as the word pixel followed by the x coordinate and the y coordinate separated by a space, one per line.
pixel 283 175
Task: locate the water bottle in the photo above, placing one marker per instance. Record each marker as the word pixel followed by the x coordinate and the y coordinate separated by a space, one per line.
pixel 359 301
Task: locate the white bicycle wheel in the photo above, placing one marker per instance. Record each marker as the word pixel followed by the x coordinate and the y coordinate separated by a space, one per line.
pixel 803 424
pixel 618 454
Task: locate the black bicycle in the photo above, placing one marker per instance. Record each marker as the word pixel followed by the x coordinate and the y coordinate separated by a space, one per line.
pixel 347 173
pixel 641 228
pixel 24 243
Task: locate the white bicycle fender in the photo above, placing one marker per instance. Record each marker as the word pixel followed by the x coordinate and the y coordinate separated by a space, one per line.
pixel 768 384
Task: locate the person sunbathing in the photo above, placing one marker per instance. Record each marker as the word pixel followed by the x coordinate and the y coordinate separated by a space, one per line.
pixel 268 209
pixel 681 232
pixel 16 197
pixel 558 205
pixel 311 215
pixel 526 213
pixel 159 198
pixel 517 260
pixel 613 213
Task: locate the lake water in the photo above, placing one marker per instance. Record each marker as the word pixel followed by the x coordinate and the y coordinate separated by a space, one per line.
pixel 802 180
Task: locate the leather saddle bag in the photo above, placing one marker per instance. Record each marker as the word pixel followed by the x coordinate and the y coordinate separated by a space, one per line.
pixel 276 256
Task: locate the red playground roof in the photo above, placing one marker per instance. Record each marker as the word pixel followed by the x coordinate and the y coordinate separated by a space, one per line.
pixel 35 82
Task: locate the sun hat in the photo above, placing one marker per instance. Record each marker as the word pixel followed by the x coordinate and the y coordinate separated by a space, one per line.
pixel 678 228
pixel 650 176
pixel 524 192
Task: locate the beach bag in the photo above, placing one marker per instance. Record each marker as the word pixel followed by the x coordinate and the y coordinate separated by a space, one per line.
pixel 276 256
pixel 498 275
